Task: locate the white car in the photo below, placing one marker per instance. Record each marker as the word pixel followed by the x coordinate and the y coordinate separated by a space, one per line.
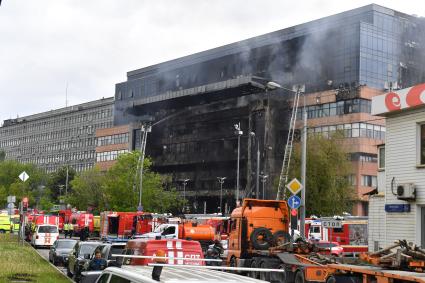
pixel 143 274
pixel 45 235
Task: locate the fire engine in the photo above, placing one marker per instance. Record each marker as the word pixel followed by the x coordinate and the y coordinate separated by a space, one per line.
pixel 352 236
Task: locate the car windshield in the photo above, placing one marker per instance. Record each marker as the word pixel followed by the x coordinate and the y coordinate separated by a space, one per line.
pixel 66 244
pixel 47 229
pixel 88 249
pixel 159 229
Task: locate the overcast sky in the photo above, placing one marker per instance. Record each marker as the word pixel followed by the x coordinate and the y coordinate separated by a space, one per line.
pixel 89 45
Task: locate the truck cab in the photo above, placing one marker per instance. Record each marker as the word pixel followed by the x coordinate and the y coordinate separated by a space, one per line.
pixel 257 225
pixel 164 231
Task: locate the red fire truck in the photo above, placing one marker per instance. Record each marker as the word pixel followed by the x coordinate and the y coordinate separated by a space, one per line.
pixel 122 225
pixel 352 236
pixel 64 217
pixel 80 220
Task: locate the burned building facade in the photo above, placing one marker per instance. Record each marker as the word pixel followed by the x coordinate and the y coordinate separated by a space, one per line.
pixel 194 102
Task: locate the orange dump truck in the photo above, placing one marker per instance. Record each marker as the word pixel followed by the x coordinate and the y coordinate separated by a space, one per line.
pixel 256 229
pixel 258 238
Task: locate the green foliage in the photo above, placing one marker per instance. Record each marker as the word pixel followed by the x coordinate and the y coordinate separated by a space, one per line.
pixel 88 190
pixel 12 185
pixel 57 180
pixel 328 190
pixel 122 187
pixel 2 155
pixel 45 200
pixel 118 188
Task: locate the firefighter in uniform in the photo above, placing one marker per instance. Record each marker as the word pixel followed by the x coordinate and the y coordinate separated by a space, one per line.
pixel 67 229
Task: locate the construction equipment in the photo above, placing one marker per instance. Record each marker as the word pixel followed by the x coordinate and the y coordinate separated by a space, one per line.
pixel 283 178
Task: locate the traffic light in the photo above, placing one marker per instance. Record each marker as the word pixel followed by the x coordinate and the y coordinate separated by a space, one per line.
pixel 25 204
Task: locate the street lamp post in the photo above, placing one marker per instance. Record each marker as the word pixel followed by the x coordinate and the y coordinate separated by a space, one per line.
pixel 257 176
pixel 299 89
pixel 263 180
pixel 221 181
pixel 184 191
pixel 144 129
pixel 239 133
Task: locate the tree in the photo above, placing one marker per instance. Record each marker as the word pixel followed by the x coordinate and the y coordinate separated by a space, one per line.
pixel 88 190
pixel 122 187
pixel 328 189
pixel 57 180
pixel 9 179
pixel 2 155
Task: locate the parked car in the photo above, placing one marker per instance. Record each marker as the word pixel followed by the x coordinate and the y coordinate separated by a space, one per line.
pixel 107 250
pixel 45 235
pixel 81 252
pixel 332 248
pixel 60 250
pixel 143 274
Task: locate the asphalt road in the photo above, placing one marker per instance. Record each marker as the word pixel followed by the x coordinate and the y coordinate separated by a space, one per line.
pixel 44 252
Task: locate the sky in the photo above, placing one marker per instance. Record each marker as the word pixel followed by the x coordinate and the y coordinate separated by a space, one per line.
pixel 79 49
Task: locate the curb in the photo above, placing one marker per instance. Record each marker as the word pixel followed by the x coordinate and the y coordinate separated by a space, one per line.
pixel 60 271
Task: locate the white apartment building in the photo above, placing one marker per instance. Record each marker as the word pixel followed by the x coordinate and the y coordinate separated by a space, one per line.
pixel 398 210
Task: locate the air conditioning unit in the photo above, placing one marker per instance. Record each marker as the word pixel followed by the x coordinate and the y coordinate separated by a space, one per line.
pixel 406 191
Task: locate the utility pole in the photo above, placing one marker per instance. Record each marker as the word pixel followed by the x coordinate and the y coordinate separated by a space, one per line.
pixel 184 192
pixel 144 129
pixel 239 133
pixel 263 180
pixel 257 175
pixel 221 181
pixel 303 169
pixel 66 179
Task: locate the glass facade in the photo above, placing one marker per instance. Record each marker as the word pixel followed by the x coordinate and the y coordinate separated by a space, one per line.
pixel 370 45
pixel 352 130
pixel 109 155
pixel 336 108
pixel 113 139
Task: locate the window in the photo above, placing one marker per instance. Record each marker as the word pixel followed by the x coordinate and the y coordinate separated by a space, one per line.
pixel 104 278
pixel 422 143
pixel 117 279
pixel 381 154
pixel 368 181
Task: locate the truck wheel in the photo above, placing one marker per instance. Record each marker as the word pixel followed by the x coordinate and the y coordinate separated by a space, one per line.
pixel 331 279
pixel 281 237
pixel 261 238
pixel 278 277
pixel 253 274
pixel 232 263
pixel 264 275
pixel 299 277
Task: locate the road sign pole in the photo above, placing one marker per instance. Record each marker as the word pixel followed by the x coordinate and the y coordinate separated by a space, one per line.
pixel 303 170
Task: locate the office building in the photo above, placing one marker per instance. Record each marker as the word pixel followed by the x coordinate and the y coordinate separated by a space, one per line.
pixel 59 137
pixel 196 100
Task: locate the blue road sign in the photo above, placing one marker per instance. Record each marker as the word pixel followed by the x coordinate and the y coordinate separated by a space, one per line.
pixel 294 202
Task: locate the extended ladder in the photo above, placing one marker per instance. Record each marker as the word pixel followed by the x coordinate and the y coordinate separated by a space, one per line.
pixel 283 179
